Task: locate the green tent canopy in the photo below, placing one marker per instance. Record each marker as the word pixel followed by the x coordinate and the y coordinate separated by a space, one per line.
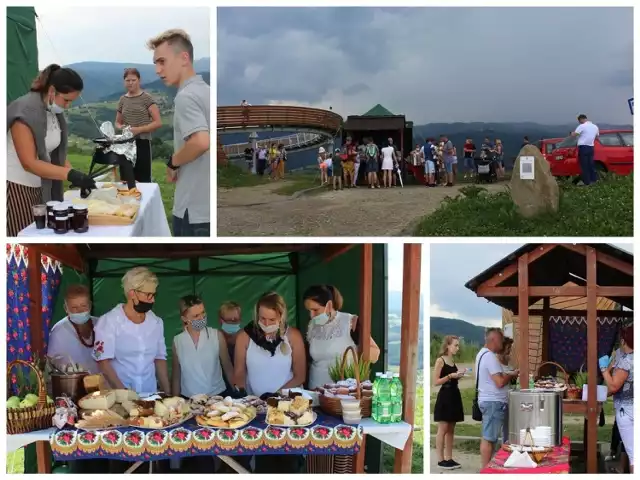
pixel 22 50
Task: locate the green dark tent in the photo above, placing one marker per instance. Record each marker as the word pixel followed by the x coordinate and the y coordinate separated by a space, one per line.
pixel 22 50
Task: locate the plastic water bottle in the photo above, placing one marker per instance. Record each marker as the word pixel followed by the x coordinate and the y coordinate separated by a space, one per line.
pixel 375 410
pixel 396 398
pixel 532 384
pixel 384 405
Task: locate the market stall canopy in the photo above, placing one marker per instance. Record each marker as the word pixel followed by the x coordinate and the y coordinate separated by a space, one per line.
pixel 22 50
pixel 553 265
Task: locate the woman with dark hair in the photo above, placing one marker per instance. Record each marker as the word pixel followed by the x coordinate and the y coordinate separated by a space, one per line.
pixel 330 332
pixel 138 110
pixel 619 379
pixel 37 137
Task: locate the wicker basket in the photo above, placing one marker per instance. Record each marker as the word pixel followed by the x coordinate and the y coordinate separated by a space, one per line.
pixel 333 406
pixel 566 375
pixel 39 417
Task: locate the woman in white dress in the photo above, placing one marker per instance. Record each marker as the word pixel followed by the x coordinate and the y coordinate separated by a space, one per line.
pixel 200 354
pixel 270 356
pixel 388 161
pixel 129 345
pixel 330 332
pixel 71 339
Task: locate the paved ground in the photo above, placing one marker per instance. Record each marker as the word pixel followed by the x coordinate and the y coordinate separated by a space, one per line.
pixel 257 211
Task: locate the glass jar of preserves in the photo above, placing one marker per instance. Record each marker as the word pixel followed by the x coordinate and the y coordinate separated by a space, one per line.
pixel 61 219
pixel 80 219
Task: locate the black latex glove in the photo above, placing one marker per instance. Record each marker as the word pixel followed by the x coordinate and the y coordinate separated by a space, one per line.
pixel 82 180
pixel 266 395
pixel 238 393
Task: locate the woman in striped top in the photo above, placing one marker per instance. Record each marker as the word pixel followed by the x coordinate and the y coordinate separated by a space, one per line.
pixel 138 110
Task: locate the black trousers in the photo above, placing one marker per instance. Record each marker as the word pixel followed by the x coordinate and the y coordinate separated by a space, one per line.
pixel 142 169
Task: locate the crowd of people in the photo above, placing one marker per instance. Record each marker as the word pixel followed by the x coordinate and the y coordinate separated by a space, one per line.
pixel 38 134
pixel 342 167
pixel 440 159
pixel 127 345
pixel 270 159
pixel 494 377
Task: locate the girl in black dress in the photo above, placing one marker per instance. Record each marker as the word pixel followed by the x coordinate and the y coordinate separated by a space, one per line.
pixel 448 409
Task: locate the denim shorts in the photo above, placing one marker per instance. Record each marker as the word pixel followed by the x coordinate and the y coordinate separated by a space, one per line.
pixel 429 167
pixel 493 417
pixel 448 164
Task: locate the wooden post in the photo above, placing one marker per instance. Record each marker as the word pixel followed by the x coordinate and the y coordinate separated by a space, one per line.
pixel 43 449
pixel 544 328
pixel 410 331
pixel 523 317
pixel 366 295
pixel 592 361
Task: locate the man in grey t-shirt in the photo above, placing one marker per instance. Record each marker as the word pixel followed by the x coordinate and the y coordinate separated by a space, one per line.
pixel 189 167
pixel 493 392
pixel 448 158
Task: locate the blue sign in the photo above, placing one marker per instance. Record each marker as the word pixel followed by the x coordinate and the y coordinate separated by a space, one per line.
pixel 630 101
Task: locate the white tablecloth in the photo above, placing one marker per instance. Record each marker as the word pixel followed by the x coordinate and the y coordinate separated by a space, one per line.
pixel 394 434
pixel 15 442
pixel 150 222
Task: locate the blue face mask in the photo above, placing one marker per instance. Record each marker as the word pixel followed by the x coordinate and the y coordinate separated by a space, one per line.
pixel 79 318
pixel 54 108
pixel 321 319
pixel 198 325
pixel 230 328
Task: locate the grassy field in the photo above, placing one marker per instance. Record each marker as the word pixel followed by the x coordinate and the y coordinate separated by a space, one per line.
pixel 232 176
pixel 15 461
pixel 603 209
pixel 158 174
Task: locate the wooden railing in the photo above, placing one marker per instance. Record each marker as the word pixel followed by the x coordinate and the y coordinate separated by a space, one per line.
pixel 278 116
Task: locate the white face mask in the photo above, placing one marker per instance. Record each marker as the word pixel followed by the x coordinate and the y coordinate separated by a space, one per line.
pixel 322 318
pixel 268 329
pixel 54 108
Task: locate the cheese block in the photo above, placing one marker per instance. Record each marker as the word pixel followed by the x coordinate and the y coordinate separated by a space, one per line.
pixel 94 383
pixel 123 395
pixel 172 401
pixel 161 409
pixel 101 400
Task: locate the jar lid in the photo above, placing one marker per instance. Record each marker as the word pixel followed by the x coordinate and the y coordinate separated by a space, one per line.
pixel 61 207
pixel 80 207
pixel 53 203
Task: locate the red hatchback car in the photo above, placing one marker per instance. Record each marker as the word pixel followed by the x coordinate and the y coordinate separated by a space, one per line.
pixel 613 152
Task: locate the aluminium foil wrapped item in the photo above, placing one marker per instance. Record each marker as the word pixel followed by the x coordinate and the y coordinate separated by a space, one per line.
pixel 127 149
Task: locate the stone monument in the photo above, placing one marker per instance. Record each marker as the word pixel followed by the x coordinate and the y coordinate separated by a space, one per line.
pixel 538 195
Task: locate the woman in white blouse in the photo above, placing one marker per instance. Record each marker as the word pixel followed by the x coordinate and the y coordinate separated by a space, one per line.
pixel 72 338
pixel 270 355
pixel 330 332
pixel 129 345
pixel 200 354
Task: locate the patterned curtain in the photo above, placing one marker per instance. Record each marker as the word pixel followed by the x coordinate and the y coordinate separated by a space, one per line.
pixel 568 339
pixel 18 321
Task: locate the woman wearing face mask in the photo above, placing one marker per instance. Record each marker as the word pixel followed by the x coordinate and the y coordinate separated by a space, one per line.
pixel 200 354
pixel 129 345
pixel 138 110
pixel 618 377
pixel 72 338
pixel 37 133
pixel 269 354
pixel 330 332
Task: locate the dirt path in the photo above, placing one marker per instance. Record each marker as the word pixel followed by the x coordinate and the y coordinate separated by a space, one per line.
pixel 257 211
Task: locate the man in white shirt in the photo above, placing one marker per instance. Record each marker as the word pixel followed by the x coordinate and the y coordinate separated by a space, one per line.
pixel 587 133
pixel 493 392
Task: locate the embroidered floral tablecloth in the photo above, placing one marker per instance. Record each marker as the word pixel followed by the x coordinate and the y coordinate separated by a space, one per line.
pixel 327 436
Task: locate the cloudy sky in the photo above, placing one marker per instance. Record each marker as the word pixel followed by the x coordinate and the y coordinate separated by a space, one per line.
pixel 450 298
pixel 395 256
pixel 432 64
pixel 114 34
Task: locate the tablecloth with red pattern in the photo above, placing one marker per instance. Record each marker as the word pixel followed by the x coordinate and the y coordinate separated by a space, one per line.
pixel 556 461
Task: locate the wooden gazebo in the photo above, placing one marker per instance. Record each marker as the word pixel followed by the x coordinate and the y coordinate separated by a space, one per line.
pixel 79 256
pixel 541 271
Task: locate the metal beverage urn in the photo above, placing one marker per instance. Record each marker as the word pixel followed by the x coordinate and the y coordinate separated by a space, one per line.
pixel 535 408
